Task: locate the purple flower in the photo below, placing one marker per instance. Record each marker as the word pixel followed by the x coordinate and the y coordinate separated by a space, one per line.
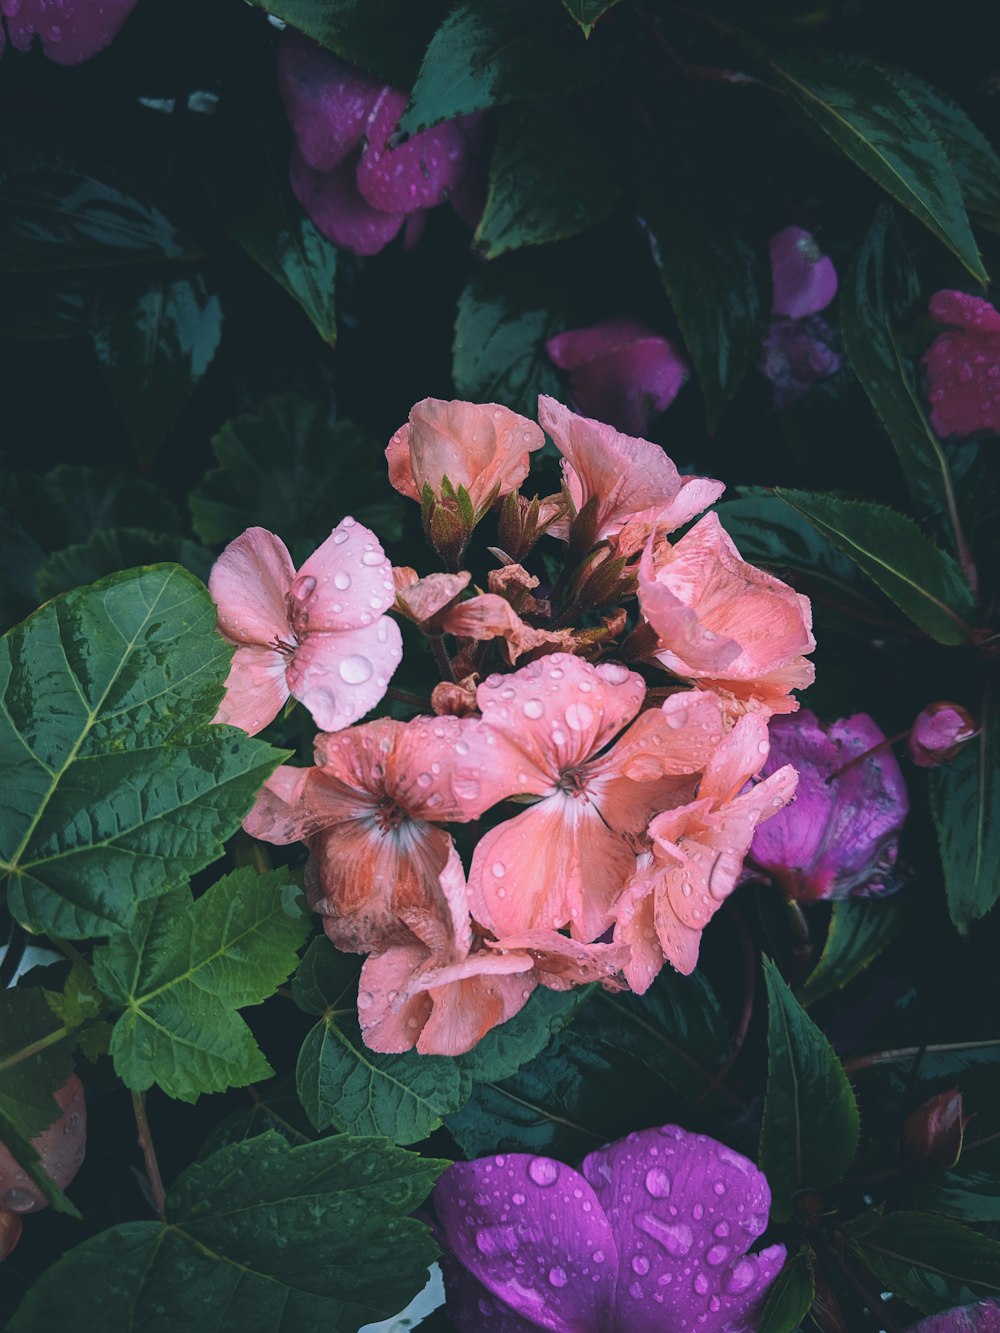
pixel 621 371
pixel 357 188
pixel 650 1234
pixel 70 31
pixel 796 351
pixel 940 731
pixel 839 838
pixel 981 1318
pixel 962 366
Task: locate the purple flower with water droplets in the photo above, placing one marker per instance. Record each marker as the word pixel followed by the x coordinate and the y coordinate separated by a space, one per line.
pixel 962 366
pixel 981 1318
pixel 70 31
pixel 797 352
pixel 650 1234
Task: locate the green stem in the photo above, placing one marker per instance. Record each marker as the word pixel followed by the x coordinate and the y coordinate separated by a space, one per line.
pixel 43 1043
pixel 911 1052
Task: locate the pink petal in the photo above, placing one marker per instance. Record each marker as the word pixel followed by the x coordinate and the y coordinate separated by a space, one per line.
pixel 332 201
pixel 679 1202
pixel 971 313
pixel 340 676
pixel 327 101
pixel 249 584
pixel 466 1007
pixel 69 34
pixel 561 963
pixel 391 1016
pixel 427 596
pixel 420 172
pixel 533 1233
pixel 256 689
pixel 296 803
pixel 397 455
pixel 345 584
pixel 805 281
pixel 962 367
pixel 635 928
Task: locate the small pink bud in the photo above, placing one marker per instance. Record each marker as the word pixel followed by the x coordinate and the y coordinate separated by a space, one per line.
pixel 932 1134
pixel 940 731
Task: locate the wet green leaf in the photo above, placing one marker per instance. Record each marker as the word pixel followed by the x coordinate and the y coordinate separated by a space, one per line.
pixel 859 930
pixel 931 1262
pixel 790 1296
pixel 111 549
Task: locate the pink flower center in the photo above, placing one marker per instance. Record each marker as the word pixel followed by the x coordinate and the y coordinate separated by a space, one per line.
pixel 281 646
pixel 390 815
pixel 574 783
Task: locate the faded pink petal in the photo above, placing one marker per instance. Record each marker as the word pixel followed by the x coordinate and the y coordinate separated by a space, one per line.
pixel 250 583
pixel 482 446
pixel 424 598
pixel 327 101
pixel 489 616
pixel 622 371
pixel 332 201
pixel 723 621
pixel 70 32
pixel 561 963
pixel 804 279
pixel 962 366
pixel 633 480
pixel 420 173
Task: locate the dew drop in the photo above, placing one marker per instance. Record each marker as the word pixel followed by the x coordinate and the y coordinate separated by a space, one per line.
pixel 740 1278
pixel 557 1277
pixel 371 558
pixel 342 580
pixel 498 869
pixel 657 1182
pixel 534 708
pixel 676 1238
pixel 19 1200
pixel 579 717
pixel 701 1284
pixel 355 670
pixel 640 1265
pixel 718 1254
pixel 340 536
pixel 543 1171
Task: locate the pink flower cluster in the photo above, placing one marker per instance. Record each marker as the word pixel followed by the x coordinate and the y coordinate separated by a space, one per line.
pixel 605 816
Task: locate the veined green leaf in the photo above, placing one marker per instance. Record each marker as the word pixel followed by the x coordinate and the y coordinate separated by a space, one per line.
pixel 860 928
pixel 790 1296
pixel 931 1262
pixel 588 12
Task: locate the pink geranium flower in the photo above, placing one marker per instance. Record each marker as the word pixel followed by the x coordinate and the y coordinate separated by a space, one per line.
pixel 70 32
pixel 370 813
pixel 319 635
pixel 564 860
pixel 482 447
pixel 723 622
pixel 631 481
pixel 697 855
pixel 963 366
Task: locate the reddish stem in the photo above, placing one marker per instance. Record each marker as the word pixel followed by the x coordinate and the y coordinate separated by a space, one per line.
pixel 149 1155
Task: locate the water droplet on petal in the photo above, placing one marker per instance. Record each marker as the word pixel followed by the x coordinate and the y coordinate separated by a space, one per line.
pixel 543 1171
pixel 557 1277
pixel 676 1238
pixel 657 1182
pixel 342 580
pixel 718 1254
pixel 355 670
pixel 534 708
pixel 640 1265
pixel 498 869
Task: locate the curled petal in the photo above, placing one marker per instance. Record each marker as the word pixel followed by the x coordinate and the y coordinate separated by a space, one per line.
pixel 422 599
pixel 561 963
pixel 250 583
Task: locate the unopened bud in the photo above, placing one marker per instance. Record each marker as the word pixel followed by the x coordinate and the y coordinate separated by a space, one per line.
pixel 932 1134
pixel 940 731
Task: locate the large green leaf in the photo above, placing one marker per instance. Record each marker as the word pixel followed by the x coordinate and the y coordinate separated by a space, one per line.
pixel 155 337
pixel 931 1262
pixel 866 301
pixel 555 171
pixel 810 1128
pixel 183 971
pixel 289 468
pixel 246 174
pixel 116 788
pixel 883 130
pixel 383 37
pixel 924 581
pixel 260 1236
pixel 790 1296
pixel 111 549
pixel 342 1083
pixel 860 928
pixel 965 801
pixel 491 52
pixel 505 315
pixel 970 1191
pixel 587 12
pixel 504 1049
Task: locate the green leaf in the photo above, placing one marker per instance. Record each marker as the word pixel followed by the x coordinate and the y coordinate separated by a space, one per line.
pixel 555 171
pixel 809 1133
pixel 859 930
pixel 866 301
pixel 504 1049
pixel 154 338
pixel 79 1001
pixel 505 315
pixel 56 215
pixel 717 282
pixel 247 179
pixel 184 970
pixel 965 802
pixel 259 1236
pixel 924 581
pixel 883 130
pixel 587 12
pixel 491 52
pixel 113 549
pixel 383 37
pixel 289 468
pixel 342 1083
pixel 970 1191
pixel 790 1296
pixel 116 788
pixel 932 1263
pixel 28 1081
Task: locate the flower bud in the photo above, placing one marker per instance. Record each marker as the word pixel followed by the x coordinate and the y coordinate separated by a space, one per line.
pixel 938 734
pixel 932 1134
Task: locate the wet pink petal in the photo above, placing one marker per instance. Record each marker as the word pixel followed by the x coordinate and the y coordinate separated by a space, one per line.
pixel 61 1148
pixel 327 101
pixel 256 689
pixel 962 366
pixel 332 201
pixel 684 1210
pixel 420 173
pixel 532 1231
pixel 983 1317
pixel 342 676
pixel 974 314
pixel 71 31
pixel 840 837
pixel 804 279
pixel 561 963
pixel 633 480
pixel 939 732
pixel 250 583
pixel 345 584
pixel 622 371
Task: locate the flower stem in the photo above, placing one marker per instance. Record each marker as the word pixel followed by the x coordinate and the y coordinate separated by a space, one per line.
pixel 889 1057
pixel 867 754
pixel 149 1155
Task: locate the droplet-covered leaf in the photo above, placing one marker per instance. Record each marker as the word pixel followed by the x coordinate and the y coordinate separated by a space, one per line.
pixel 116 789
pixel 183 971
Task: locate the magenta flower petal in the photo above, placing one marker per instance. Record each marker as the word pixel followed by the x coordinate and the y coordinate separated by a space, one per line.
pixel 419 173
pixel 840 837
pixel 939 732
pixel 796 354
pixel 71 31
pixel 804 279
pixel 327 101
pixel 684 1209
pixel 473 1308
pixel 962 366
pixel 971 313
pixel 532 1231
pixel 981 1318
pixel 332 200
